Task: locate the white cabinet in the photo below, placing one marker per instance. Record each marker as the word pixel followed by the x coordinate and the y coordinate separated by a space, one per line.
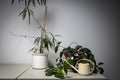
pixel 33 74
pixel 25 72
pixel 11 72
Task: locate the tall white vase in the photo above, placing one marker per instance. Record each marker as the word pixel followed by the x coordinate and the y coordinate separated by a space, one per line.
pixel 40 61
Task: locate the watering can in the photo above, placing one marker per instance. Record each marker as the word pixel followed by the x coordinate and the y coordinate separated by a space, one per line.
pixel 83 68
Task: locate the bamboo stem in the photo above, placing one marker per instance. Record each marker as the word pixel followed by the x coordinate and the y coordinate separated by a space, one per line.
pixel 43 31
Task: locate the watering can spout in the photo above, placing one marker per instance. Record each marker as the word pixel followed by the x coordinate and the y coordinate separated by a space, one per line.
pixel 71 65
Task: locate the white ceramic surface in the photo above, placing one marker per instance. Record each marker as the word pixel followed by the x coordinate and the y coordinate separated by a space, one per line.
pixel 40 61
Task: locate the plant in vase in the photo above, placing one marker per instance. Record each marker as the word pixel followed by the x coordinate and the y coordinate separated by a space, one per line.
pixel 45 40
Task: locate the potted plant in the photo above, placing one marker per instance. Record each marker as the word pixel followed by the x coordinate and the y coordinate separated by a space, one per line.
pixel 72 55
pixel 78 52
pixel 45 40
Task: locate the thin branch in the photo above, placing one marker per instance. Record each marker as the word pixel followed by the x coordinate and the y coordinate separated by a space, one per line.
pixel 73 43
pixel 25 36
pixel 36 21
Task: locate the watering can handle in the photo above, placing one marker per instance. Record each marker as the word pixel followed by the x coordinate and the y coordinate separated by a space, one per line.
pixel 92 69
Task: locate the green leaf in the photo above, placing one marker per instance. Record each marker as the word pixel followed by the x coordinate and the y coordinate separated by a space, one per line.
pixel 57 59
pixel 49 71
pixel 31 12
pixel 100 63
pixel 37 41
pixel 29 16
pixel 59 73
pixel 46 44
pixel 78 47
pixel 71 61
pixel 26 3
pixel 56 49
pixel 59 43
pixel 29 2
pixel 19 1
pixel 61 54
pixel 33 2
pixel 31 49
pixel 24 14
pixel 50 43
pixel 65 66
pixel 101 70
pixel 34 50
pixel 57 36
pixel 59 65
pixel 38 2
pixel 44 2
pixel 41 2
pixel 12 2
pixel 85 50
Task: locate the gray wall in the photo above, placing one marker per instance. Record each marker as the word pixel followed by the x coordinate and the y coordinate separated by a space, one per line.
pixel 91 23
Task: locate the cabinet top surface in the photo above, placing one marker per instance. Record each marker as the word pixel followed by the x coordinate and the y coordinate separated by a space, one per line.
pixel 11 71
pixel 40 74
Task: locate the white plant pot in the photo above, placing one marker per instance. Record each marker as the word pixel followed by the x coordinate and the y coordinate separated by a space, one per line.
pixel 40 61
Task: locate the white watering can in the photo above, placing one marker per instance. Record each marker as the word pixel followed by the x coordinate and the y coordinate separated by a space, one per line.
pixel 83 68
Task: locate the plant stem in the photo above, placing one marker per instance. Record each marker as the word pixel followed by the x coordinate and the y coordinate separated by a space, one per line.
pixel 43 31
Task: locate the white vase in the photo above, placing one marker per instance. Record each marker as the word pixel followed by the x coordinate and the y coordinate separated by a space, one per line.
pixel 40 61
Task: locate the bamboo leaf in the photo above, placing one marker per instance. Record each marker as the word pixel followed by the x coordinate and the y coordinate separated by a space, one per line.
pixel 31 12
pixel 44 2
pixel 35 50
pixel 12 2
pixel 29 16
pixel 41 2
pixel 57 36
pixel 37 41
pixel 22 0
pixel 19 1
pixel 25 2
pixel 31 49
pixel 29 2
pixel 46 44
pixel 50 43
pixel 21 13
pixel 38 2
pixel 33 2
pixel 24 14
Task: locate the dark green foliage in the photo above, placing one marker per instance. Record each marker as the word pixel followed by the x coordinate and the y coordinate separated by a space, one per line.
pixel 26 10
pixel 100 63
pixel 56 71
pixel 65 66
pixel 79 52
pixel 72 55
pixel 98 68
pixel 48 43
pixel 56 48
